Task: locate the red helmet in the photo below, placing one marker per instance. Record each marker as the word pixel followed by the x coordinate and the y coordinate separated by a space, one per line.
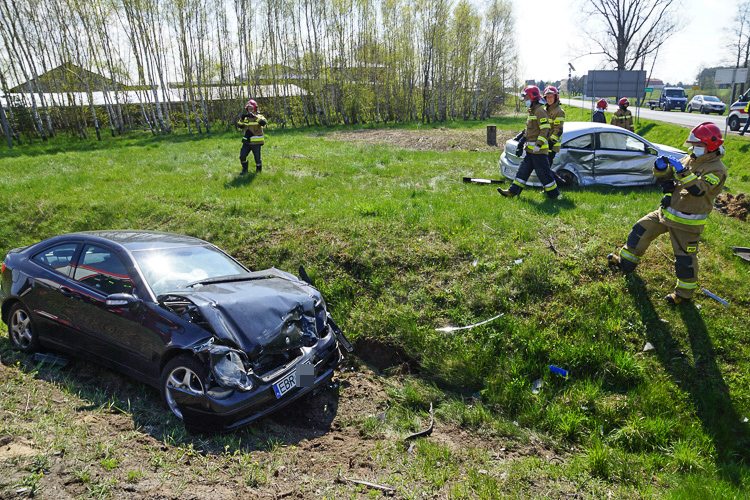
pixel 252 104
pixel 707 133
pixel 532 92
pixel 602 103
pixel 549 89
pixel 623 102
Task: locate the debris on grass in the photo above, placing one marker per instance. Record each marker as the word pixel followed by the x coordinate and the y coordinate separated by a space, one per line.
pixel 742 252
pixel 454 328
pixel 425 432
pixel 715 297
pixel 536 385
pixel 648 347
pixel 559 371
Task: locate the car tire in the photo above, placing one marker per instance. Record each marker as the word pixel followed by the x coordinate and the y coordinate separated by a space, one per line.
pixel 21 329
pixel 703 112
pixel 568 177
pixel 689 109
pixel 734 123
pixel 186 373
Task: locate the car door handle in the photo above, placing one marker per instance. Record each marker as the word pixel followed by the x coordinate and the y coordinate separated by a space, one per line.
pixel 69 293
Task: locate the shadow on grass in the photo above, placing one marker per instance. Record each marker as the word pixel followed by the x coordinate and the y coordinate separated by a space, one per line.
pixel 703 381
pixel 550 206
pixel 240 180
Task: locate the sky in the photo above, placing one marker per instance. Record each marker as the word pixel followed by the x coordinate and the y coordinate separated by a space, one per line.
pixel 702 42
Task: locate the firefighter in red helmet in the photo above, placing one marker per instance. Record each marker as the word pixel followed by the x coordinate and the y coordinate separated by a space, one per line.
pixel 556 119
pixel 691 185
pixel 252 123
pixel 598 115
pixel 623 117
pixel 537 147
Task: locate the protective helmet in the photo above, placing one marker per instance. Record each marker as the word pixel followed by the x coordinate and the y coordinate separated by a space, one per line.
pixel 532 92
pixel 623 102
pixel 707 133
pixel 602 103
pixel 551 90
pixel 252 104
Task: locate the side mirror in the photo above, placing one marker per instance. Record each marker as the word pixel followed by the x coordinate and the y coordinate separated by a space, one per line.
pixel 652 151
pixel 118 300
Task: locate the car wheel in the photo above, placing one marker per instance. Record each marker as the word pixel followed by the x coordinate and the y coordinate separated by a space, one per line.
pixel 568 177
pixel 690 109
pixel 21 329
pixel 734 123
pixel 185 373
pixel 703 112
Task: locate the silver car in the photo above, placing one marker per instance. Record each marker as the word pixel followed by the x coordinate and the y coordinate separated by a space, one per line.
pixel 706 104
pixel 596 153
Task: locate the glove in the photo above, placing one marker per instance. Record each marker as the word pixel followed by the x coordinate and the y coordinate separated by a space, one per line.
pixel 536 148
pixel 666 200
pixel 519 148
pixel 668 186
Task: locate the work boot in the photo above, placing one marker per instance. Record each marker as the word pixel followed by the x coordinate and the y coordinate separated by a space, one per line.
pixel 258 168
pixel 506 192
pixel 244 167
pixel 673 299
pixel 614 260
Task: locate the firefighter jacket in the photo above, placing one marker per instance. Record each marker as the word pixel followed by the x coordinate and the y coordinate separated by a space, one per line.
pixel 623 118
pixel 557 120
pixel 696 188
pixel 537 129
pixel 253 125
pixel 599 116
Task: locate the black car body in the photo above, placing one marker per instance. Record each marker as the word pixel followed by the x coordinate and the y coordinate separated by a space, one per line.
pixel 223 344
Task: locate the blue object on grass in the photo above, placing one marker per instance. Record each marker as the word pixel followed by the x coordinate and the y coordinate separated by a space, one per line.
pixel 557 370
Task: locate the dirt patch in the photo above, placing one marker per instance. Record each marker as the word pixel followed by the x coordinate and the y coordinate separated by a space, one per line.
pixel 735 206
pixel 431 139
pixel 14 448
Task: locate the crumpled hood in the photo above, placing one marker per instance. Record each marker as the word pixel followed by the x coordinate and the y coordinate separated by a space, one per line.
pixel 261 312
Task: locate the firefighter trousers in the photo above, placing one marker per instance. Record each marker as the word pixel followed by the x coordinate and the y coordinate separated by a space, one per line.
pixel 684 240
pixel 538 163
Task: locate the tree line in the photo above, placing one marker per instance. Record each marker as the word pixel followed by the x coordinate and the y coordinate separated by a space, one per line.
pixel 76 66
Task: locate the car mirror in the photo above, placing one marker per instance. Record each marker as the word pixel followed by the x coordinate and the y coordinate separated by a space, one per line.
pixel 652 151
pixel 117 300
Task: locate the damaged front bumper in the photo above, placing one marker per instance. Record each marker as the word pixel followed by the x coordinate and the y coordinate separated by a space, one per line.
pixel 236 408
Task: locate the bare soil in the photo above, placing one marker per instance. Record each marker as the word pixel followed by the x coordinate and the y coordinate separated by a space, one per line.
pixel 428 139
pixel 736 206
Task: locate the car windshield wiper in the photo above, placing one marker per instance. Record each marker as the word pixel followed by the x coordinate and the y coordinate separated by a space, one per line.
pixel 225 279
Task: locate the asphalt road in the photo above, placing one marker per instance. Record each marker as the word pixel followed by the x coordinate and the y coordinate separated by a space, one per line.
pixel 685 119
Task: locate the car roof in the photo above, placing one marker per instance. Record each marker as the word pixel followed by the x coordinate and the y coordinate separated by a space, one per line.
pixel 133 240
pixel 574 129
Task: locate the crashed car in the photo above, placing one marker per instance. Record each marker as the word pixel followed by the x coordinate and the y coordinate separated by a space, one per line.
pixel 595 153
pixel 223 345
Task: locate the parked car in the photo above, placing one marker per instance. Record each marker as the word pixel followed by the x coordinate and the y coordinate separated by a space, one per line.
pixel 737 115
pixel 223 345
pixel 706 104
pixel 596 153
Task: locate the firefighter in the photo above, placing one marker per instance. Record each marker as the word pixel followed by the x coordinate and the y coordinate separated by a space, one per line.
pixel 556 118
pixel 252 123
pixel 623 117
pixel 537 147
pixel 690 187
pixel 599 113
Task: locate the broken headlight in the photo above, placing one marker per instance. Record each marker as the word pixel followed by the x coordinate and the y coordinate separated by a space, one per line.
pixel 229 369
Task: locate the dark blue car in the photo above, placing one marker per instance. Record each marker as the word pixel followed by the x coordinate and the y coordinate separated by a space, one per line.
pixel 223 345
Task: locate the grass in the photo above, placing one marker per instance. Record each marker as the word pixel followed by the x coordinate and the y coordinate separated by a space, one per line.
pixel 400 246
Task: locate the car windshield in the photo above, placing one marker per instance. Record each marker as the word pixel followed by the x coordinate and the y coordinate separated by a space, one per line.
pixel 166 269
pixel 675 93
pixel 711 98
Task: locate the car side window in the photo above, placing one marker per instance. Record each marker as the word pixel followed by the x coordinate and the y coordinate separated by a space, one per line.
pixel 580 142
pixel 621 142
pixel 102 270
pixel 58 257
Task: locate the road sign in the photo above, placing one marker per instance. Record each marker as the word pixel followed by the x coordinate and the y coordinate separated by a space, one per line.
pixel 696 87
pixel 649 89
pixel 727 76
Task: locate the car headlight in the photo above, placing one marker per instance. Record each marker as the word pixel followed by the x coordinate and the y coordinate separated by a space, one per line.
pixel 229 370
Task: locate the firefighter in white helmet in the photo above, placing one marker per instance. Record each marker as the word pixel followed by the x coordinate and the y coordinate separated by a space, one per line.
pixel 556 119
pixel 252 123
pixel 691 185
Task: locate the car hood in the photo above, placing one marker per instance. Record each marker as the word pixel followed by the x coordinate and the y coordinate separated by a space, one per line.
pixel 670 150
pixel 261 312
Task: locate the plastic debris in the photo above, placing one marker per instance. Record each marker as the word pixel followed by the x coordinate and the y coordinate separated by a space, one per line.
pixel 454 328
pixel 715 297
pixel 480 180
pixel 516 262
pixel 742 252
pixel 476 261
pixel 648 347
pixel 536 385
pixel 559 371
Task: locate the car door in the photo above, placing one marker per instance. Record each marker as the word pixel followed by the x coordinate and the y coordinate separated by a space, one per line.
pixel 622 160
pixel 577 154
pixel 112 335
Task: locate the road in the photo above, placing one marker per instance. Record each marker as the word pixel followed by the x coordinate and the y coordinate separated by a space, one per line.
pixel 685 119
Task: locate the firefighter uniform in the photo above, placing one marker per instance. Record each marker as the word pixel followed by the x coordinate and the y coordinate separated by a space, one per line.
pixel 556 120
pixel 683 215
pixel 537 134
pixel 623 118
pixel 253 139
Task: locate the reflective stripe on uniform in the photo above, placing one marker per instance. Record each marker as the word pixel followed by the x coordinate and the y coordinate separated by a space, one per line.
pixel 712 179
pixel 632 258
pixel 549 187
pixel 689 178
pixel 687 286
pixel 518 183
pixel 683 218
pixel 255 138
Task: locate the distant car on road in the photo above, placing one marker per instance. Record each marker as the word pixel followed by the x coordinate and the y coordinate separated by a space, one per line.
pixel 223 345
pixel 596 153
pixel 706 104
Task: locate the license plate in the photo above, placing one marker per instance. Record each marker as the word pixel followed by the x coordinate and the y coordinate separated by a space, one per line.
pixel 285 385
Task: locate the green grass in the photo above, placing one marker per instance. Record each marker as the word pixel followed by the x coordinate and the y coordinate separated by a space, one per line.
pixel 400 246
